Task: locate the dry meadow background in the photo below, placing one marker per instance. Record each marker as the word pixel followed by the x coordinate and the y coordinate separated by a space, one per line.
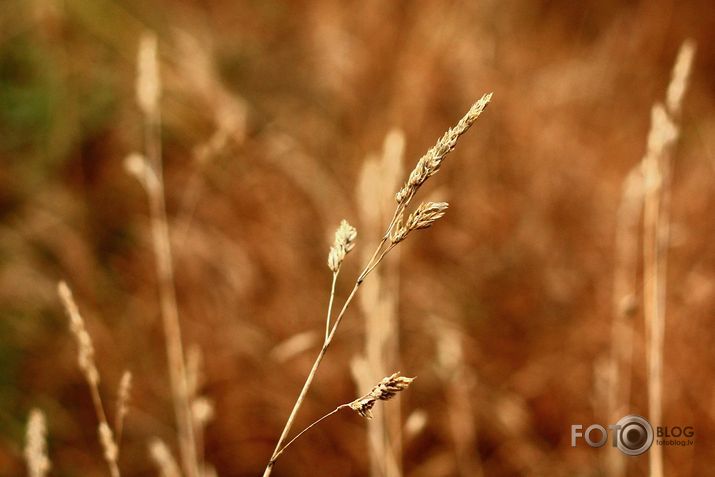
pixel 270 109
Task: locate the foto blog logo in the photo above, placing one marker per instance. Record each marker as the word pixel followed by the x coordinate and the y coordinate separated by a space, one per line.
pixel 633 435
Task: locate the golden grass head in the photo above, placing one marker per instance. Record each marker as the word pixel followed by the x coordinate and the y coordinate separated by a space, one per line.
pixel 202 411
pixel 680 76
pixel 148 85
pixel 429 164
pixel 125 389
pixel 423 217
pixel 85 356
pixel 663 131
pixel 38 464
pixel 383 391
pixel 109 446
pixel 163 459
pixel 345 237
pixel 138 166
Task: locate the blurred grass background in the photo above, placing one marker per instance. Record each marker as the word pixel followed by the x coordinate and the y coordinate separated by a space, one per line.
pixel 522 265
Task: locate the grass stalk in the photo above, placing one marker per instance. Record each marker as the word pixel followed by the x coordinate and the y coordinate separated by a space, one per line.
pixel 85 359
pixel 624 309
pixel 427 166
pixel 379 177
pixel 656 228
pixel 148 90
pixel 330 304
pixel 314 369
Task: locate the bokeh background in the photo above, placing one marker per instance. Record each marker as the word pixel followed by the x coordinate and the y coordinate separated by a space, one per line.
pixel 294 95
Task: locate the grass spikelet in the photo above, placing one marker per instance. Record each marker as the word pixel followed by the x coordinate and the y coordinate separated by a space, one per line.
pixel 426 214
pixel 106 437
pixel 202 411
pixel 164 461
pixel 656 166
pixel 383 391
pixel 415 423
pixel 38 464
pixel 149 170
pixel 423 217
pixel 680 76
pixel 85 354
pixel 663 132
pixel 431 162
pixel 148 87
pixel 125 389
pixel 345 237
pixel 85 360
pixel 136 165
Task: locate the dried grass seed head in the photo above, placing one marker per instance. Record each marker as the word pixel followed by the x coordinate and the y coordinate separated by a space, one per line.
pixel 148 85
pixel 109 446
pixel 85 356
pixel 663 131
pixel 202 411
pixel 423 217
pixel 125 388
pixel 137 165
pixel 383 391
pixel 429 164
pixel 344 242
pixel 164 460
pixel 38 464
pixel 662 135
pixel 680 76
pixel 415 423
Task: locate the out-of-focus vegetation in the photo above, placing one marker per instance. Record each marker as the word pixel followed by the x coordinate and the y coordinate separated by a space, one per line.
pixel 302 92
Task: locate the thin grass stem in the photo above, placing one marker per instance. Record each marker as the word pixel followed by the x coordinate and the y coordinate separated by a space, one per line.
pixel 330 303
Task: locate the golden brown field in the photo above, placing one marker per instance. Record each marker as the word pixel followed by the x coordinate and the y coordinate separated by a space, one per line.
pixel 576 256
